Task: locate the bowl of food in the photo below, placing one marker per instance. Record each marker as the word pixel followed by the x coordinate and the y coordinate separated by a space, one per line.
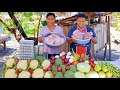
pixel 83 42
pixel 82 38
pixel 54 40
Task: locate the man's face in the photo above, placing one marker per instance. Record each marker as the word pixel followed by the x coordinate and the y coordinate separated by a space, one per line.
pixel 50 20
pixel 81 22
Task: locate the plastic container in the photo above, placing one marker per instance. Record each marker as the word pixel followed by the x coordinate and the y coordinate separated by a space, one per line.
pixel 26 49
pixel 27 42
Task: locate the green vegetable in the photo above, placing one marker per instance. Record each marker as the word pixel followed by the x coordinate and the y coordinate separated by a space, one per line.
pixel 73 68
pixel 92 74
pixel 59 75
pixel 110 68
pixel 54 68
pixel 48 74
pixel 109 74
pixel 83 67
pixel 69 74
pixel 40 58
pixel 63 67
pixel 58 61
pixel 76 56
pixel 104 69
pixel 79 75
pixel 4 70
pixel 97 68
pixel 101 74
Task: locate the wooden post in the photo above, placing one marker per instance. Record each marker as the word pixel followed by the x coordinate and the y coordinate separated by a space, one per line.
pixel 100 18
pixel 109 38
pixel 89 14
pixel 105 18
pixel 89 20
pixel 92 48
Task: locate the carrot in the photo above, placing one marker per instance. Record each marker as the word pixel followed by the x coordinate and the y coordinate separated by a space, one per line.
pixel 54 73
pixel 75 63
pixel 63 71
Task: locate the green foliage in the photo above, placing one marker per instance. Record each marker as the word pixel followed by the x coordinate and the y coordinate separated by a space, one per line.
pixel 116 22
pixel 28 20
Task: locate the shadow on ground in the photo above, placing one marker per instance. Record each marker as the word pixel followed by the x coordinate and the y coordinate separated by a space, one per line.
pixel 114 55
pixel 7 52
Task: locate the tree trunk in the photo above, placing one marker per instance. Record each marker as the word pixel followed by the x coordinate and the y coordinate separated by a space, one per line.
pixel 12 30
pixel 5 24
pixel 19 27
pixel 39 25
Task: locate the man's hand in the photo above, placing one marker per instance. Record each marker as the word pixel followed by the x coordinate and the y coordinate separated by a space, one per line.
pixel 94 40
pixel 88 35
pixel 75 41
pixel 71 40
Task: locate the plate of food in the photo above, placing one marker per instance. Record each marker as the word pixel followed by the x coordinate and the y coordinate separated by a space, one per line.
pixel 54 39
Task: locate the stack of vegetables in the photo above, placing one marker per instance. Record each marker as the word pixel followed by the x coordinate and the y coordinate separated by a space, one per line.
pixel 65 65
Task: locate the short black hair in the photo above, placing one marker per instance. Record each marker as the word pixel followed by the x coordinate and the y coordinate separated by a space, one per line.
pixel 50 14
pixel 81 16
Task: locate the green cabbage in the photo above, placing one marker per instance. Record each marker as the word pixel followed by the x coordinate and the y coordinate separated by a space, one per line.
pixel 83 67
pixel 59 75
pixel 73 68
pixel 69 74
pixel 48 74
pixel 79 75
pixel 92 74
pixel 58 61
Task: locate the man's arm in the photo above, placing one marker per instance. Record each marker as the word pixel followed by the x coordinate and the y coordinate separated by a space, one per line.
pixel 40 40
pixel 40 36
pixel 94 37
pixel 94 40
pixel 69 38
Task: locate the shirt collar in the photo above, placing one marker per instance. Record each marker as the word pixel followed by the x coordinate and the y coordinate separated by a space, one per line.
pixel 81 28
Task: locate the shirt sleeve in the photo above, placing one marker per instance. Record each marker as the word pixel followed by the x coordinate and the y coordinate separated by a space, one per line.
pixel 94 34
pixel 70 33
pixel 61 31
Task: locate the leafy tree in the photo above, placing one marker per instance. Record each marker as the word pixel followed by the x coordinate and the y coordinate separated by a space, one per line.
pixel 116 22
pixel 28 20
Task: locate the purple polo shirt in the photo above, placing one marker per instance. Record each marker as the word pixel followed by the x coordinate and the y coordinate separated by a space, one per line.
pixel 44 30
